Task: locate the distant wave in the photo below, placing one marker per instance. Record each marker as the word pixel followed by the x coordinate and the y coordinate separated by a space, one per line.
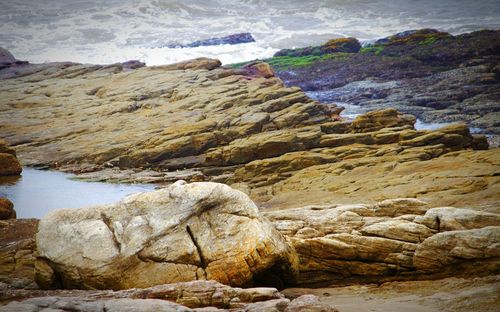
pixel 93 31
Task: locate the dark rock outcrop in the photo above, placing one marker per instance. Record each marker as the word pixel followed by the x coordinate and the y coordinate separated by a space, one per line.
pixel 346 45
pixel 231 39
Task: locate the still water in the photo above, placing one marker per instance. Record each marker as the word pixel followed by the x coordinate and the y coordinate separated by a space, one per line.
pixel 37 192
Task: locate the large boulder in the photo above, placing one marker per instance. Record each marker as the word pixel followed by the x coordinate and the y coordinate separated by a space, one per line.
pixel 184 232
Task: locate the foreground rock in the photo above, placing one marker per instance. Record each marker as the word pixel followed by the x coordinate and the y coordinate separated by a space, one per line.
pixel 185 232
pixel 391 240
pixel 9 165
pixel 173 297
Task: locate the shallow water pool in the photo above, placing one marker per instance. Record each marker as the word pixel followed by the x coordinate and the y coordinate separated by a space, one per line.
pixel 37 192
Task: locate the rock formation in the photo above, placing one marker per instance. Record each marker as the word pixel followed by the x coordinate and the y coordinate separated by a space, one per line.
pixel 190 296
pixel 17 253
pixel 430 74
pixel 231 39
pixel 182 233
pixel 6 209
pixel 346 45
pixel 9 165
pixel 199 121
pixel 390 240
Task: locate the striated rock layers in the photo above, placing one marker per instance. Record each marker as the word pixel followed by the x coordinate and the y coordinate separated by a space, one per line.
pixel 198 121
pixel 393 239
pixel 205 230
pixel 182 233
pixel 430 74
pixel 17 253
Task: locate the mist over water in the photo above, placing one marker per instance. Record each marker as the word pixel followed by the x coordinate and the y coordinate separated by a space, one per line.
pixel 92 31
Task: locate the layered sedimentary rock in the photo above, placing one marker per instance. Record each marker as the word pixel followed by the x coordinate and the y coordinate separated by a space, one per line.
pixel 199 121
pixel 433 75
pixel 17 253
pixel 182 233
pixel 393 239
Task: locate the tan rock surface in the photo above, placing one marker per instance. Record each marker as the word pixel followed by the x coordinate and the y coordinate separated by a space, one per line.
pixel 201 122
pixel 182 233
pixel 17 253
pixel 391 240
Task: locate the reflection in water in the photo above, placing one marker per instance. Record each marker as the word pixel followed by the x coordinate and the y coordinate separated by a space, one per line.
pixel 37 192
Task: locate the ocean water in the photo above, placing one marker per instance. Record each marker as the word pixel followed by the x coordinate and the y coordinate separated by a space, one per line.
pixel 92 31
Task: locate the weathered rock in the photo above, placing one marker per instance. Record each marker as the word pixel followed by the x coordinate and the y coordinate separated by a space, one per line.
pixel 6 209
pixel 437 77
pixel 217 232
pixel 345 45
pixel 391 240
pixel 189 296
pixel 231 39
pixel 6 57
pixel 9 165
pixel 17 253
pixel 199 121
pixel 257 69
pixel 416 35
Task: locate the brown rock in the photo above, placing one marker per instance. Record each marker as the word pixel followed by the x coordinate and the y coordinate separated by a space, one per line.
pixel 6 209
pixel 17 252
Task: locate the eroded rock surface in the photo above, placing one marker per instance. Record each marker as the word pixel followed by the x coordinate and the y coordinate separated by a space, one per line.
pixel 184 232
pixel 390 240
pixel 6 209
pixel 190 296
pixel 17 253
pixel 9 165
pixel 198 121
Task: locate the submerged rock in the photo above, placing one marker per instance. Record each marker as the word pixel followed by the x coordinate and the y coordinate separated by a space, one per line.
pixel 231 39
pixel 182 233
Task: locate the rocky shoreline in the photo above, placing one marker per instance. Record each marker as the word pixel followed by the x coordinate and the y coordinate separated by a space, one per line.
pixel 281 191
pixel 437 77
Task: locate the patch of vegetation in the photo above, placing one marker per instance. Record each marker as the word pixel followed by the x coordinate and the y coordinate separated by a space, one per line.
pixel 290 62
pixel 376 49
